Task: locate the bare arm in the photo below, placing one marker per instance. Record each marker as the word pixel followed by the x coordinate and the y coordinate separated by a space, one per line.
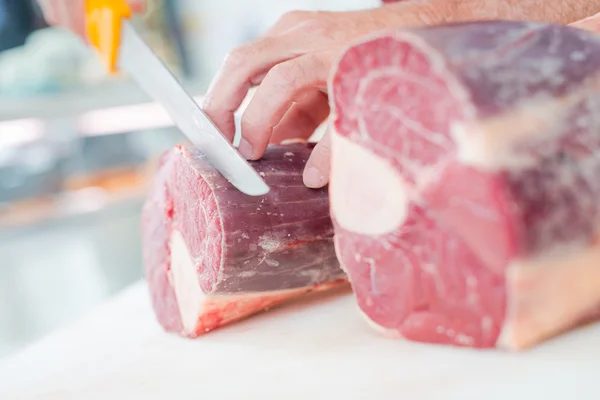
pixel 291 62
pixel 558 11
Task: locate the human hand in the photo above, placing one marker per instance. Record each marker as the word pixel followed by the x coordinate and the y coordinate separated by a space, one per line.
pixel 71 13
pixel 290 63
pixel 590 23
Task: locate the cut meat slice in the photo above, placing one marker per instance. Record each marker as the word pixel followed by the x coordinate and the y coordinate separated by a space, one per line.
pixel 464 189
pixel 214 255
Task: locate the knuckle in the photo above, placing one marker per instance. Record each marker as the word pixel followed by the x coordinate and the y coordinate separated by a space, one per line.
pixel 293 16
pixel 315 22
pixel 321 23
pixel 284 74
pixel 238 56
pixel 249 120
pixel 243 55
pixel 307 70
pixel 315 25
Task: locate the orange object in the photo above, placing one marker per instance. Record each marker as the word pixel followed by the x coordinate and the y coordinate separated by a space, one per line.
pixel 103 22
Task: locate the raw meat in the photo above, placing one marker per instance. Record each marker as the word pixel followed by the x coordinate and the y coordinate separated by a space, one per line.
pixel 464 189
pixel 214 255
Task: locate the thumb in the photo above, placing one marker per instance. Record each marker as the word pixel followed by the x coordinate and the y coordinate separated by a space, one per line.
pixel 316 172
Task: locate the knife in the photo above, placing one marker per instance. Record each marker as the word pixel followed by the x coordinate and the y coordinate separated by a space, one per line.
pixel 111 33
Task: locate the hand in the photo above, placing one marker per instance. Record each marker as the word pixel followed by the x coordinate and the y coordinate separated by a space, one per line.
pixel 71 13
pixel 291 64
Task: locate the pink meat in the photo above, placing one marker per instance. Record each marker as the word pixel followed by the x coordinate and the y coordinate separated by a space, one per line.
pixel 464 189
pixel 214 255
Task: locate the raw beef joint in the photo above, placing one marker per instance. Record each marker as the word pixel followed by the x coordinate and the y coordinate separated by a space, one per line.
pixel 214 255
pixel 465 186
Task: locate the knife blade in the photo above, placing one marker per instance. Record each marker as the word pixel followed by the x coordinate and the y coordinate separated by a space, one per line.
pixel 152 75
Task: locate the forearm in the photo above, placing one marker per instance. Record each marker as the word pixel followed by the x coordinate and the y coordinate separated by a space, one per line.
pixel 447 11
pixel 558 11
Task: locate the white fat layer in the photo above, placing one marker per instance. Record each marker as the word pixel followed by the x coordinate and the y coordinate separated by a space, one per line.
pixel 367 194
pixel 489 143
pixel 547 296
pixel 193 303
pixel 190 297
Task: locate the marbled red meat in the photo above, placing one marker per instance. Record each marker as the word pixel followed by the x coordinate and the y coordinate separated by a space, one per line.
pixel 214 255
pixel 464 189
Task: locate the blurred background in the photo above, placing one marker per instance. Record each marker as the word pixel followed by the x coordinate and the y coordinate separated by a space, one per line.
pixel 77 146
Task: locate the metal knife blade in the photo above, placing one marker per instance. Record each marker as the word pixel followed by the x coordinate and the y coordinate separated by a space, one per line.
pixel 154 78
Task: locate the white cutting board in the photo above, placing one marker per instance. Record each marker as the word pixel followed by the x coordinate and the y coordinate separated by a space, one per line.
pixel 316 349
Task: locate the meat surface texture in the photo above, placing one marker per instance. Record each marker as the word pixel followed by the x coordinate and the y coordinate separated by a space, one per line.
pixel 465 187
pixel 214 255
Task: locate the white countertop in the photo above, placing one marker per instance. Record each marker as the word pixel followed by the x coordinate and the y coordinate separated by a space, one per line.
pixel 315 349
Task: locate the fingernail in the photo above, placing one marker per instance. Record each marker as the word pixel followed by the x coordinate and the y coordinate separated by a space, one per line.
pixel 245 149
pixel 206 102
pixel 313 178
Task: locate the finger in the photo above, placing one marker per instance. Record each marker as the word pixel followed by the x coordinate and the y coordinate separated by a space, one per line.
pixel 234 79
pixel 68 15
pixel 285 83
pixel 54 11
pixel 288 22
pixel 75 15
pixel 65 13
pixel 316 172
pixel 49 11
pixel 302 119
pixel 137 6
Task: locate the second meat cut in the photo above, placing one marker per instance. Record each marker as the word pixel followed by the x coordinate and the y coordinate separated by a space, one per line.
pixel 465 185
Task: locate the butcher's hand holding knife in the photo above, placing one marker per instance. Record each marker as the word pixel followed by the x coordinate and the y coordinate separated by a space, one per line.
pixel 290 63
